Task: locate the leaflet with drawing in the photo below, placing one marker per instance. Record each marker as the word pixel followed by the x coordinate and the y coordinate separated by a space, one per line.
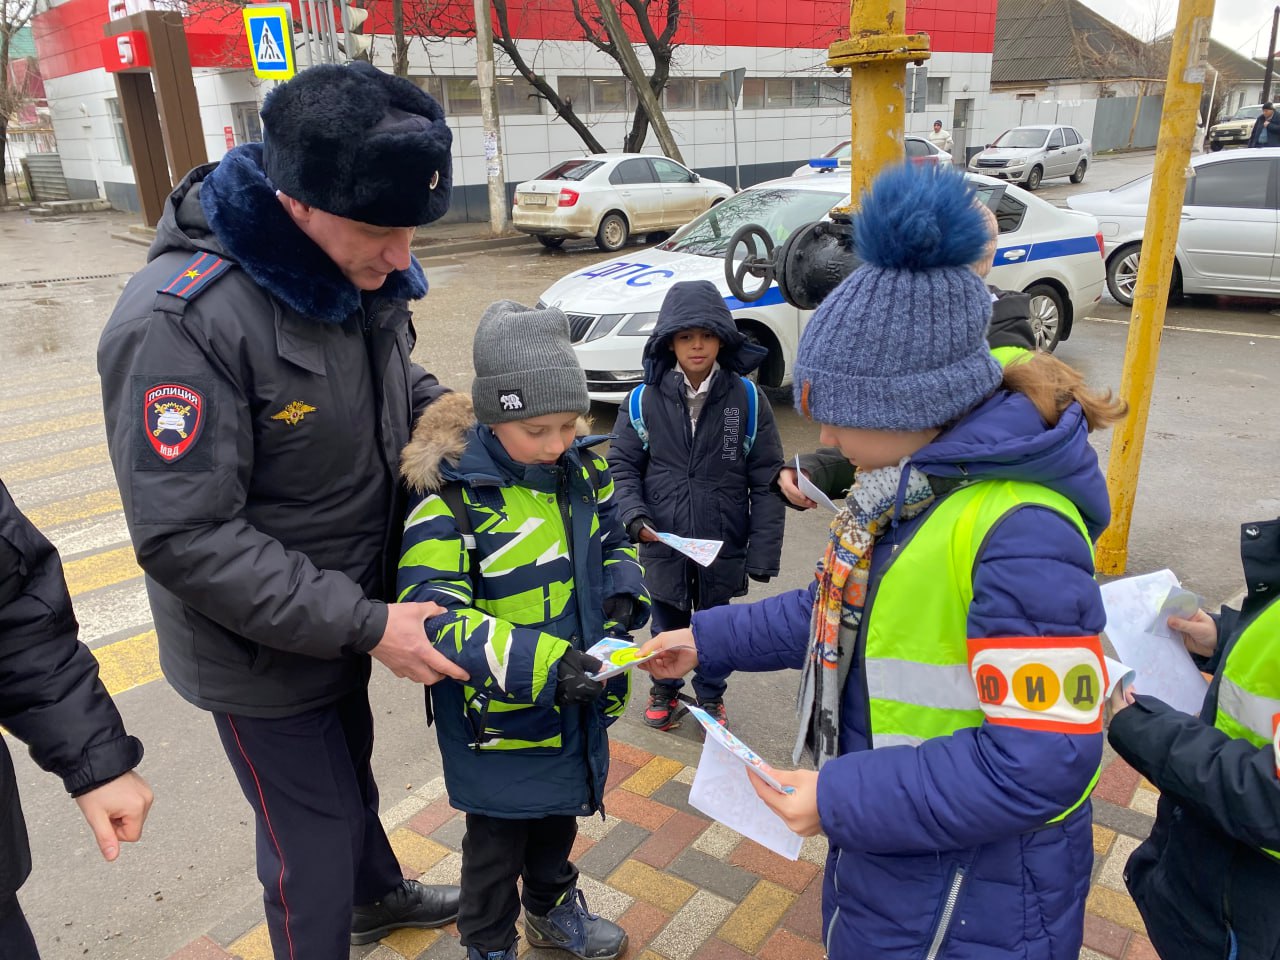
pixel 618 655
pixel 701 552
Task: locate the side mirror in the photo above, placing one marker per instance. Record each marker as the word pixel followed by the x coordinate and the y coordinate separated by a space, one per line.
pixel 694 178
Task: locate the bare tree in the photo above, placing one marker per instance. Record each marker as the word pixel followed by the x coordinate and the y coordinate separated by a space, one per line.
pixel 14 15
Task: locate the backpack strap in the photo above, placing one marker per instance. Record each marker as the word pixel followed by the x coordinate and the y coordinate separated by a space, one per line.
pixel 753 414
pixel 635 410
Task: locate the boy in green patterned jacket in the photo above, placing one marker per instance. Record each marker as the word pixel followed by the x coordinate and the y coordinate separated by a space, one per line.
pixel 513 530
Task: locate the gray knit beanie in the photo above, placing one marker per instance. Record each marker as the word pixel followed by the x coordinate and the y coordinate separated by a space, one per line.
pixel 901 344
pixel 525 365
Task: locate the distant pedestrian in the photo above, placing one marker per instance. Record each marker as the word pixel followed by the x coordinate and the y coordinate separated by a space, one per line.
pixel 695 451
pixel 951 703
pixel 1266 128
pixel 1207 880
pixel 513 529
pixel 52 700
pixel 940 138
pixel 258 385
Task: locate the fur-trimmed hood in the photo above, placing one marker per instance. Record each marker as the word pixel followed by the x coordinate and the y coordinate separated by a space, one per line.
pixel 448 444
pixel 230 208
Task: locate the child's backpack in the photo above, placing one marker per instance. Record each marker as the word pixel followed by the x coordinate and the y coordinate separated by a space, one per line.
pixel 635 410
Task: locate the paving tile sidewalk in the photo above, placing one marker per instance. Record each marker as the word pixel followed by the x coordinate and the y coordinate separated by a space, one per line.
pixel 686 888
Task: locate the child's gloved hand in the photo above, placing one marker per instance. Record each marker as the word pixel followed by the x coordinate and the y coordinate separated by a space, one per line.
pixel 620 609
pixel 575 684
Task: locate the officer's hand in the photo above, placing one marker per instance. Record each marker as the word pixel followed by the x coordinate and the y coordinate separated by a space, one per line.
pixel 405 650
pixel 677 655
pixel 116 811
pixel 575 684
pixel 787 483
pixel 1199 634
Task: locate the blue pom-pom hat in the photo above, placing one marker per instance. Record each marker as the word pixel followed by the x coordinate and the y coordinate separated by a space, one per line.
pixel 901 344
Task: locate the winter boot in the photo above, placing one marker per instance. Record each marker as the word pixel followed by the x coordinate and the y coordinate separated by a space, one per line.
pixel 571 926
pixel 661 712
pixel 411 904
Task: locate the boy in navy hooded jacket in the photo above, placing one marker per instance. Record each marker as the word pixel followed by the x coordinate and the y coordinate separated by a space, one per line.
pixel 698 462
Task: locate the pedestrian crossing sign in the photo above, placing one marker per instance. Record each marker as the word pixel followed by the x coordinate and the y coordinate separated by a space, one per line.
pixel 269 28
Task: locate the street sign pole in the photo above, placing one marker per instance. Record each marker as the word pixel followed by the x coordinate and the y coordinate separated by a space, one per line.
pixel 732 81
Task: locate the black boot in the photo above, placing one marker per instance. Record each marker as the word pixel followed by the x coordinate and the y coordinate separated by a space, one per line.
pixel 411 904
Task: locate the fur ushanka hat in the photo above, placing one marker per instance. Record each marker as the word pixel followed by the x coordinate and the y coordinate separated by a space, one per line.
pixel 359 143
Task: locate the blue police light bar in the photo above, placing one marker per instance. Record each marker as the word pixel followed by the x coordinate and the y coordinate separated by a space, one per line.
pixel 825 163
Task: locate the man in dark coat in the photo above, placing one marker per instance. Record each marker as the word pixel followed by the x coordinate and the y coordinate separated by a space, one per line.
pixel 258 388
pixel 1266 128
pixel 52 700
pixel 698 472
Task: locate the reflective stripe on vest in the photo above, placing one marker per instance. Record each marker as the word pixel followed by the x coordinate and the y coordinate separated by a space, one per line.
pixel 1249 689
pixel 916 662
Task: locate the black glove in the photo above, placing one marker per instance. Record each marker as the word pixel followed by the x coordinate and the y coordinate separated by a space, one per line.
pixel 621 609
pixel 760 577
pixel 635 526
pixel 575 684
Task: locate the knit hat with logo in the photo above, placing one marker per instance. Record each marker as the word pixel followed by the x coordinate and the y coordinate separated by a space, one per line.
pixel 525 365
pixel 901 343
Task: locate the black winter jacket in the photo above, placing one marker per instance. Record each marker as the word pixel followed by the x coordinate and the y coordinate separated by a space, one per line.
pixel 50 695
pixel 700 483
pixel 1273 130
pixel 271 543
pixel 1200 872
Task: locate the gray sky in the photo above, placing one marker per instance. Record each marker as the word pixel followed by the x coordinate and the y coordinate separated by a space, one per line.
pixel 1244 25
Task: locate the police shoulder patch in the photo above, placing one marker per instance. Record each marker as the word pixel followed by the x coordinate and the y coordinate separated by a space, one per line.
pixel 1054 684
pixel 195 276
pixel 173 416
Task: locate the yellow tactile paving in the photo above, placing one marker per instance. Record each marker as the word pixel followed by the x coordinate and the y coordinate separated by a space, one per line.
pixel 410 943
pixel 652 776
pixel 59 424
pixel 129 663
pixel 104 569
pixel 660 889
pixel 756 916
pixel 43 467
pixel 415 851
pixel 99 503
pixel 254 945
pixel 1102 838
pixel 1116 907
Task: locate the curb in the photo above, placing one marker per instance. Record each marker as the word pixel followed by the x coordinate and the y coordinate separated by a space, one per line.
pixel 427 248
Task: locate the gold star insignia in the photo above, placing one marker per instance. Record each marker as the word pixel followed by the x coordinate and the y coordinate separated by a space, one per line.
pixel 293 413
pixel 193 274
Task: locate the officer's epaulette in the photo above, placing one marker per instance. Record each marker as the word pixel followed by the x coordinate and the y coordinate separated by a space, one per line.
pixel 196 276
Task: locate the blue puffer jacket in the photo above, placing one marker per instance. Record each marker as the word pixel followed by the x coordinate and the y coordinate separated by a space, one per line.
pixel 549 552
pixel 905 822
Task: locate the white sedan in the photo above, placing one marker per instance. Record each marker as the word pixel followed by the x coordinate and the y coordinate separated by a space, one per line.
pixel 612 196
pixel 1054 255
pixel 917 150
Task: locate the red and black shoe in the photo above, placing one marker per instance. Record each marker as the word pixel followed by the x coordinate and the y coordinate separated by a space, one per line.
pixel 661 711
pixel 716 709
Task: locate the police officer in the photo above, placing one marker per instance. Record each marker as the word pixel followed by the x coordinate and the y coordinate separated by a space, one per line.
pixel 51 700
pixel 258 388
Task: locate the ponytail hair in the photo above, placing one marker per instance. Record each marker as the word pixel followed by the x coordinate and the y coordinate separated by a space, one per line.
pixel 1052 386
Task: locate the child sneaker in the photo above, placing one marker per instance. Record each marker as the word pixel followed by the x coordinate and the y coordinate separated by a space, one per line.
pixel 662 707
pixel 715 707
pixel 572 927
pixel 507 954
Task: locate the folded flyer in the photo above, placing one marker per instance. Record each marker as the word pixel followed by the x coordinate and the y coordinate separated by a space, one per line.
pixel 736 747
pixel 617 655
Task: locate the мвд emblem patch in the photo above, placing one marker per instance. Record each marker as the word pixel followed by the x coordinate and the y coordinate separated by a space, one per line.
pixel 173 415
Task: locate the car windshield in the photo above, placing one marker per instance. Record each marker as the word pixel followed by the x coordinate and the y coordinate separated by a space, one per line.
pixel 779 210
pixel 1246 113
pixel 571 170
pixel 1022 137
pixel 841 151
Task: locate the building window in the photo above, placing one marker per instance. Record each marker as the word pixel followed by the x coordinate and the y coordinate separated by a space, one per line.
pixel 835 91
pixel 460 96
pixel 753 93
pixel 611 95
pixel 711 95
pixel 679 94
pixel 807 92
pixel 246 122
pixel 778 94
pixel 937 89
pixel 517 97
pixel 117 128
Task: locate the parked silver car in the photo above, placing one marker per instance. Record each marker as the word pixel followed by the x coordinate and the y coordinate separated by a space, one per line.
pixel 1027 155
pixel 1227 239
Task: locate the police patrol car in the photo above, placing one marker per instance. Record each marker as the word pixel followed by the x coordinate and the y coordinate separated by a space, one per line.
pixel 1054 255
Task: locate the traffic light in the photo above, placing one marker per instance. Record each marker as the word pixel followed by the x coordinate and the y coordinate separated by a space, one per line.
pixel 354 45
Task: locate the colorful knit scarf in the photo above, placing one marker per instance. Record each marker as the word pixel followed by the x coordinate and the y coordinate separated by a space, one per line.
pixel 869 510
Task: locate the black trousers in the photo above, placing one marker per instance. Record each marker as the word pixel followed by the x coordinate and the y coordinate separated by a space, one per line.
pixel 16 942
pixel 495 853
pixel 321 847
pixel 663 616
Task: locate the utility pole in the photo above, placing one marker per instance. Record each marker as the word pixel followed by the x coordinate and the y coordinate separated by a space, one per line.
pixel 1271 57
pixel 635 73
pixel 498 215
pixel 1182 93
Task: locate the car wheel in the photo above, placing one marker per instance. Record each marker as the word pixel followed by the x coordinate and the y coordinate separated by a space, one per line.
pixel 1047 314
pixel 1215 146
pixel 613 233
pixel 1078 176
pixel 769 372
pixel 1122 273
pixel 1034 178
pixel 551 243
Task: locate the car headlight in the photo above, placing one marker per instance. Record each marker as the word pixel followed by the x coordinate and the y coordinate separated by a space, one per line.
pixel 1018 162
pixel 640 325
pixel 604 325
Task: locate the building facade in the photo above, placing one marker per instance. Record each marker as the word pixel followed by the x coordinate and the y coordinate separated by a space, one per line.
pixel 792 107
